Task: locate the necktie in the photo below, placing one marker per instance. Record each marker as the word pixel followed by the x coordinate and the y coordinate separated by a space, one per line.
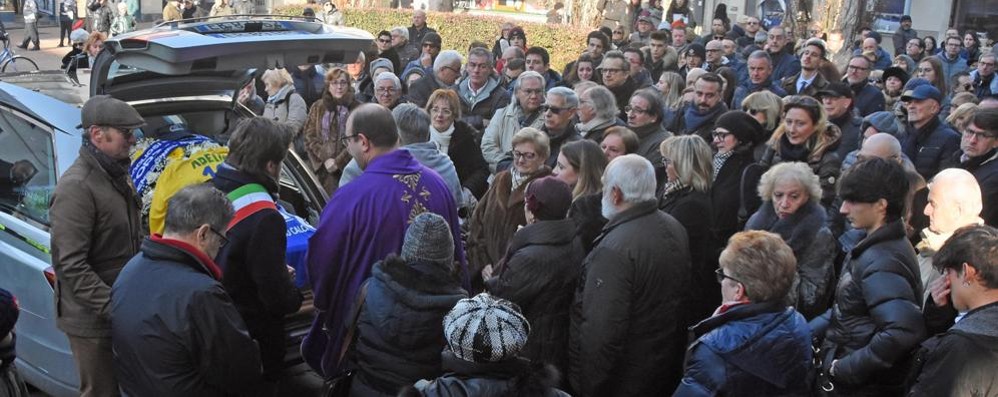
pixel 803 85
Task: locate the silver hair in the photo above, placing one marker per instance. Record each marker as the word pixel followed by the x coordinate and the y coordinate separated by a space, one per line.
pixel 391 77
pixel 571 99
pixel 604 102
pixel 633 175
pixel 530 74
pixel 484 53
pixel 447 58
pixel 413 123
pixel 760 54
pixel 401 31
pixel 196 205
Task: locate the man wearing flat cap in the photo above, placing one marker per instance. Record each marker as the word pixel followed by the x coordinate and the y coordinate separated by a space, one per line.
pixel 95 231
pixel 837 100
pixel 928 142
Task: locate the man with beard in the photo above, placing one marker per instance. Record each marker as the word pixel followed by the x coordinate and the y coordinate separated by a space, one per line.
pixel 928 142
pixel 837 100
pixel 698 117
pixel 760 72
pixel 626 335
pixel 980 156
pixel 866 98
pixel 559 112
pixel 661 57
pixel 784 62
pixel 915 49
pixel 809 81
pixel 616 76
pixel 523 111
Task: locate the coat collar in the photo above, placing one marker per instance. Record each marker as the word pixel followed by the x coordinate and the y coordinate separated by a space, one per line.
pixel 890 231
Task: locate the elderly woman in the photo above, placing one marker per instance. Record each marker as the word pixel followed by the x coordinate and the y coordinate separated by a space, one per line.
pixel 790 208
pixel 644 117
pixel 686 196
pixel 963 360
pixel 283 103
pixel 753 344
pixel 806 136
pixel 456 139
pixel 735 135
pixel 397 336
pixel 618 141
pixel 325 127
pixel 580 164
pixel 597 111
pixel 541 270
pixel 500 212
pixel 387 90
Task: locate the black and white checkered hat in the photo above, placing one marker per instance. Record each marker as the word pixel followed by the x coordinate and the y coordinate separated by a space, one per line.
pixel 485 329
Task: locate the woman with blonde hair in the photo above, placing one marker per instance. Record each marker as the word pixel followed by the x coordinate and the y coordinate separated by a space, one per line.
pixel 807 136
pixel 671 85
pixel 325 127
pixel 790 193
pixel 959 118
pixel 283 103
pixel 689 169
pixel 456 139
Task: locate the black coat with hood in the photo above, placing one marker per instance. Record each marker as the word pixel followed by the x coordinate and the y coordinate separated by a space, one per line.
pixel 693 210
pixel 539 273
pixel 466 153
pixel 400 328
pixel 255 273
pixel 962 361
pixel 875 322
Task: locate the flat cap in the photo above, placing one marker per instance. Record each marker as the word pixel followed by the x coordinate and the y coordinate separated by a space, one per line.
pixel 103 110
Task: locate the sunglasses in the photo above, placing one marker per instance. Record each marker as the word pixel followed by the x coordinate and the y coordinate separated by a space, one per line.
pixel 552 109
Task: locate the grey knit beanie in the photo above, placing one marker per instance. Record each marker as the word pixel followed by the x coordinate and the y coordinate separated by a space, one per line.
pixel 428 239
pixel 485 329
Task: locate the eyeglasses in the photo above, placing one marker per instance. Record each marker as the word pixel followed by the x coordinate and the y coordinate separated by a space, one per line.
pixel 535 91
pixel 525 156
pixel 714 50
pixel 987 64
pixel 666 161
pixel 127 133
pixel 610 70
pixel 629 109
pixel 721 276
pixel 553 109
pixel 445 112
pixel 345 140
pixel 385 41
pixel 221 237
pixel 968 133
pixel 718 134
pixel 854 67
pixel 384 90
pixel 752 111
pixel 339 83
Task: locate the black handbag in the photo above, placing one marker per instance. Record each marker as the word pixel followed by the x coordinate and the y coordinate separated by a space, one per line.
pixel 339 385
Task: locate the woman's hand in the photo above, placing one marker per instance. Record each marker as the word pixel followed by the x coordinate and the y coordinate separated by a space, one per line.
pixel 487 272
pixel 939 289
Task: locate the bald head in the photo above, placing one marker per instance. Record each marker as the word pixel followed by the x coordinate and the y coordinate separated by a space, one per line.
pixel 954 201
pixel 869 44
pixel 881 145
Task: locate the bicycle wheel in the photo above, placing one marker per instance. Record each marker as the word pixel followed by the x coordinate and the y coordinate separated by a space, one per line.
pixel 19 64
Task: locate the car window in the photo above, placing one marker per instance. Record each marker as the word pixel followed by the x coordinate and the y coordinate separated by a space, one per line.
pixel 27 166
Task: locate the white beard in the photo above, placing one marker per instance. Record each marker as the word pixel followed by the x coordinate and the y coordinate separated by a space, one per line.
pixel 608 210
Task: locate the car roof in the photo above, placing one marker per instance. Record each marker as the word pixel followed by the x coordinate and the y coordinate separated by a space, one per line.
pixel 57 114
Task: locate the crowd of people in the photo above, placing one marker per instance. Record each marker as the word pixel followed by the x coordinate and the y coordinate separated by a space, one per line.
pixel 719 215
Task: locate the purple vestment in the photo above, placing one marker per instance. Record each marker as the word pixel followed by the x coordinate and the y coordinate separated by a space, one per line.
pixel 364 222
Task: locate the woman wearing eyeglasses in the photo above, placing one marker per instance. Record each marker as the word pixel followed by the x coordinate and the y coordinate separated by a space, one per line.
pixel 500 212
pixel 735 136
pixel 790 208
pixel 325 126
pixel 807 136
pixel 686 196
pixel 753 345
pixel 456 139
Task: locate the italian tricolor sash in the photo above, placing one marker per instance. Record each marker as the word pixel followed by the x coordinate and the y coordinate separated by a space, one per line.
pixel 248 200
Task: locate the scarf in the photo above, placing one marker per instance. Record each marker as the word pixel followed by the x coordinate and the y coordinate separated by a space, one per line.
pixel 442 138
pixel 281 94
pixel 791 152
pixel 695 119
pixel 518 179
pixel 797 230
pixel 673 187
pixel 719 160
pixel 593 124
pixel 116 169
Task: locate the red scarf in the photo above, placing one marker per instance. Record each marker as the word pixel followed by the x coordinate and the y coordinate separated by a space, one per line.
pixel 207 262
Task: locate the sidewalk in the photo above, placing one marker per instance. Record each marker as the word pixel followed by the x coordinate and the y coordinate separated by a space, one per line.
pixel 50 55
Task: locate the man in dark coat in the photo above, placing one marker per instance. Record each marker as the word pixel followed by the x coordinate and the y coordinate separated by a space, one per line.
pixel 418 30
pixel 559 114
pixel 446 71
pixel 481 93
pixel 761 78
pixel 866 98
pixel 837 100
pixel 253 262
pixel 875 321
pixel 780 49
pixel 627 336
pixel 903 35
pixel 616 78
pixel 698 117
pixel 979 146
pixel 175 329
pixel 387 51
pixel 928 142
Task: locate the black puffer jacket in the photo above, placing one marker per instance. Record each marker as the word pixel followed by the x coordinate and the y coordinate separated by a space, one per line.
pixel 931 147
pixel 400 328
pixel 693 210
pixel 540 273
pixel 625 337
pixel 875 322
pixel 815 249
pixel 466 153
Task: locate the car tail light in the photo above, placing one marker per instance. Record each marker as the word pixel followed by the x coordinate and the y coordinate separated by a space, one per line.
pixel 50 276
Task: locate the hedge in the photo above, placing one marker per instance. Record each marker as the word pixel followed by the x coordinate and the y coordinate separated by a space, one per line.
pixel 458 30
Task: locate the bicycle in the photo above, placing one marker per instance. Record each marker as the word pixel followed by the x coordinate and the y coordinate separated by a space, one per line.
pixel 13 62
